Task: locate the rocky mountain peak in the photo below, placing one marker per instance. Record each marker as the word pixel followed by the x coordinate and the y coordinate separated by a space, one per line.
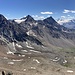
pixel 50 20
pixel 29 18
pixel 3 21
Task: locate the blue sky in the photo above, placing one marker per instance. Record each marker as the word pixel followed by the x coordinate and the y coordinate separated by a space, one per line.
pixel 39 9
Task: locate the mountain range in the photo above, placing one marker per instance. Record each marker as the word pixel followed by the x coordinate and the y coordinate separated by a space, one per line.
pixel 29 39
pixel 27 28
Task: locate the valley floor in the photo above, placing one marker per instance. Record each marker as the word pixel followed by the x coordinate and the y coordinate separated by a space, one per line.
pixel 31 64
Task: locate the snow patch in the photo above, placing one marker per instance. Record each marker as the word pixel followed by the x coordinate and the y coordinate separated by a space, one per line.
pixel 29 46
pixel 17 60
pixel 65 61
pixel 43 26
pixel 19 46
pixel 19 55
pixel 56 59
pixel 24 69
pixel 5 58
pixel 30 32
pixel 13 46
pixel 9 52
pixel 43 47
pixel 33 68
pixel 36 23
pixel 23 55
pixel 10 63
pixel 19 21
pixel 35 51
pixel 74 57
pixel 36 60
pixel 24 50
pixel 64 31
pixel 69 71
pixel 31 24
pixel 28 57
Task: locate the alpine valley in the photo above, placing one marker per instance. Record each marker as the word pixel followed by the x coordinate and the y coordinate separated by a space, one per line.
pixel 36 47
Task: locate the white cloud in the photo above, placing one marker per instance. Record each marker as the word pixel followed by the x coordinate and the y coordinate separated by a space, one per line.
pixel 73 11
pixel 36 17
pixel 68 11
pixel 47 13
pixel 63 21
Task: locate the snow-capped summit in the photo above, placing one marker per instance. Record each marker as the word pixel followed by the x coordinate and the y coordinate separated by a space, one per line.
pixel 20 20
pixel 26 19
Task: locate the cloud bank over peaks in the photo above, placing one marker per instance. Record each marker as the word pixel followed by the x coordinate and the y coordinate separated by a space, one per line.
pixel 65 19
pixel 36 17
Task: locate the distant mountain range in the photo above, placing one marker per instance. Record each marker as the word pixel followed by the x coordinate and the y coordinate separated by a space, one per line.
pixel 67 23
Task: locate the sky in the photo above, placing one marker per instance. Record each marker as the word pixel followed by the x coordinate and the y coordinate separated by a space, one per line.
pixel 39 9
